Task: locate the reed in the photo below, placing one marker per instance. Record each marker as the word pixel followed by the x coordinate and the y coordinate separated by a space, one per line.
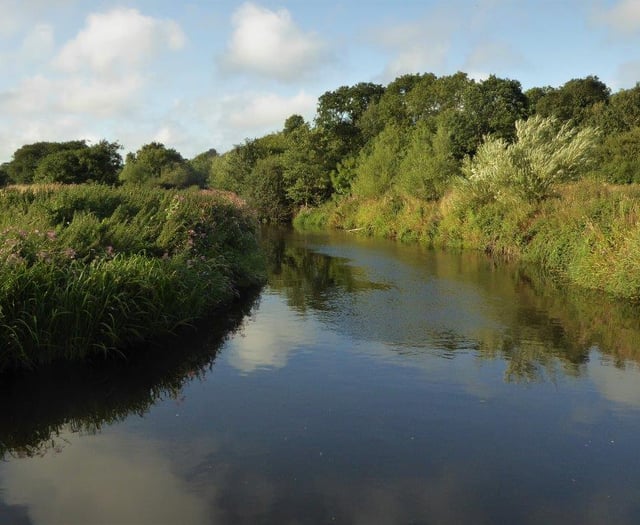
pixel 92 270
pixel 586 233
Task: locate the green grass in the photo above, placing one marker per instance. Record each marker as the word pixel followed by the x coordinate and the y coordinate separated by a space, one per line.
pixel 92 270
pixel 587 233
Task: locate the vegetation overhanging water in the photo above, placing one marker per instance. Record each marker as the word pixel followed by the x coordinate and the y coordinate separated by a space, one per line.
pixel 90 269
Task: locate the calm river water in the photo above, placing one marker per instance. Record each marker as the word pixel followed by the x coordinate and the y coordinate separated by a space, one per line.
pixel 369 383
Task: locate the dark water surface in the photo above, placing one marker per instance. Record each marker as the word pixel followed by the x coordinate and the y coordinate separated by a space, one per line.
pixel 370 382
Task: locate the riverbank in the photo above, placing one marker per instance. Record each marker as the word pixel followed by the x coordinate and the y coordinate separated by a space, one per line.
pixel 94 270
pixel 587 233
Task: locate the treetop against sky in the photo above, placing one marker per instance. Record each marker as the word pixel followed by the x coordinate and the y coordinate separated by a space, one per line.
pixel 201 74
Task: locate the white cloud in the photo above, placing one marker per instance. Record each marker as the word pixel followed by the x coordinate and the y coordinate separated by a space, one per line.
pixel 95 84
pixel 98 97
pixel 116 40
pixel 270 44
pixel 493 56
pixel 416 46
pixel 73 94
pixel 622 17
pixel 627 75
pixel 38 43
pixel 268 111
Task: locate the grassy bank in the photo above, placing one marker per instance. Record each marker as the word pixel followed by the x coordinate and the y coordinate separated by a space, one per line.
pixel 587 232
pixel 89 269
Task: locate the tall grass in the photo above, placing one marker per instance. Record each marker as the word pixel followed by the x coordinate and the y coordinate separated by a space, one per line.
pixel 586 232
pixel 89 269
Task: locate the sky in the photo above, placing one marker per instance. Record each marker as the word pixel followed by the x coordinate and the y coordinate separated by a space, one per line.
pixel 204 74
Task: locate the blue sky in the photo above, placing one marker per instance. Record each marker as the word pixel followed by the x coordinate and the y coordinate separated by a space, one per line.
pixel 201 74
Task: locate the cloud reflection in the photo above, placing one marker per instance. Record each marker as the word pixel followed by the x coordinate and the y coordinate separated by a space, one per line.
pixel 268 340
pixel 616 384
pixel 103 479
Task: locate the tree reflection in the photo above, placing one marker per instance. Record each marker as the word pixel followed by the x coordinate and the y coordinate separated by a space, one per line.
pixel 86 396
pixel 310 280
pixel 540 328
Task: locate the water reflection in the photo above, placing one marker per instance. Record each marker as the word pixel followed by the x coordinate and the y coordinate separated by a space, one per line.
pixel 373 383
pixel 269 342
pixel 416 299
pixel 109 479
pixel 85 397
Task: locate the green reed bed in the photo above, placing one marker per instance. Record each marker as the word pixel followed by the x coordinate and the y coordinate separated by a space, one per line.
pixel 89 269
pixel 586 233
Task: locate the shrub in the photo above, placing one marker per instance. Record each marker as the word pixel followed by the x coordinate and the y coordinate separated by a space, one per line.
pixel 544 154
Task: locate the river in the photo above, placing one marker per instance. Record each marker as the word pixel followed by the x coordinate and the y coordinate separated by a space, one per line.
pixel 370 382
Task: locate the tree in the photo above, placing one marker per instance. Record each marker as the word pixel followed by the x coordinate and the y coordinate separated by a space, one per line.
pixel 391 107
pixel 230 171
pixel 306 180
pixel 574 99
pixel 4 174
pixel 429 165
pixel 489 107
pixel 545 152
pixel 378 163
pixel 620 157
pixel 266 190
pixel 63 167
pixel 433 95
pixel 534 95
pixel 98 163
pixel 146 165
pixel 179 175
pixel 25 160
pixel 293 123
pixel 201 163
pixel 338 117
pixel 622 113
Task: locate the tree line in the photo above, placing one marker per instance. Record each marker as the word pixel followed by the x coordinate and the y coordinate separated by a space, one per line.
pixel 419 135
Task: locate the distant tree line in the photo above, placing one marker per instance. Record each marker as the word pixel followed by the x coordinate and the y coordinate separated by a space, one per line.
pixel 76 162
pixel 419 135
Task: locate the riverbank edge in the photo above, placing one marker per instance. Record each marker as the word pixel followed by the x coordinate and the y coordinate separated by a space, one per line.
pixel 587 233
pixel 59 302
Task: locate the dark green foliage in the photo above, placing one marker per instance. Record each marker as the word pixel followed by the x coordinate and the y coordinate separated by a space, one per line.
pixel 100 163
pixel 180 175
pixel 4 174
pixel 63 167
pixel 230 172
pixel 620 157
pixel 202 164
pixel 622 113
pixel 338 118
pixel 433 95
pixel 66 163
pixel 293 123
pixel 267 192
pixel 534 95
pixel 156 165
pixel 392 106
pixel 26 159
pixel 490 107
pixel 574 100
pixel 305 176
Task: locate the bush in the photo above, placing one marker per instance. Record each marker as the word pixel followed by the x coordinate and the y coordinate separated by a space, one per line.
pixel 545 153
